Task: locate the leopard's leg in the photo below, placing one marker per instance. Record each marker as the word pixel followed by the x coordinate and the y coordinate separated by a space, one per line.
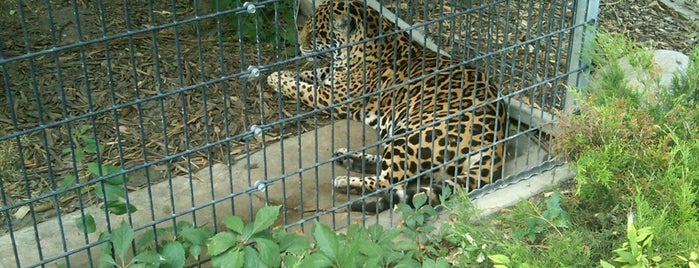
pixel 410 156
pixel 392 171
pixel 315 96
pixel 358 161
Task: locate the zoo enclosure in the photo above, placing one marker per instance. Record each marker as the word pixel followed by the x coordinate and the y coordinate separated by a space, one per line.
pixel 155 111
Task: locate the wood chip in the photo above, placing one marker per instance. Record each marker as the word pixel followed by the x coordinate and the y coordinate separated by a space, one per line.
pixel 21 212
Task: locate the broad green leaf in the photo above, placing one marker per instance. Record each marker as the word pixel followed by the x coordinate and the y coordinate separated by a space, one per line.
pixel 291 260
pixel 111 192
pixel 94 168
pixel 375 261
pixel 86 223
pixel 625 257
pixel 146 240
pixel 107 260
pixel 605 264
pixel 67 181
pixel 120 208
pixel 91 145
pixel 408 263
pixel 230 259
pixel 79 156
pixel 174 253
pixel 292 242
pixel 110 169
pixel 370 249
pixel 264 218
pixel 195 251
pixel 121 239
pixel 269 252
pixel 356 231
pixel 386 238
pixel 221 242
pixel 326 239
pixel 195 236
pixel 234 223
pixel 348 254
pixel 428 263
pixel 148 256
pixel 499 259
pixel 442 263
pixel 252 258
pixel 419 200
pixel 316 259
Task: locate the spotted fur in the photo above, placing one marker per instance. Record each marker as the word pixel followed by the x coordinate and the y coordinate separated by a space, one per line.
pixel 446 121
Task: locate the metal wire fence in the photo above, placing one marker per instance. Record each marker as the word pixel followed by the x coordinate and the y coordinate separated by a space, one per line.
pixel 157 113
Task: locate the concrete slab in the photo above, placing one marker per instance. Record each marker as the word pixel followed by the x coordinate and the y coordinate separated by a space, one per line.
pixel 666 64
pixel 305 192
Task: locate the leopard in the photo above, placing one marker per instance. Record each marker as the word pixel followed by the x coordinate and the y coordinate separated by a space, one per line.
pixel 433 115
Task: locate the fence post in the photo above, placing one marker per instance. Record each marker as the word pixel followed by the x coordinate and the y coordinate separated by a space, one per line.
pixel 586 13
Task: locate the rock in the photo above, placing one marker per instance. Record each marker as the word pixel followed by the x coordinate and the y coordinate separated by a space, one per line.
pixel 665 64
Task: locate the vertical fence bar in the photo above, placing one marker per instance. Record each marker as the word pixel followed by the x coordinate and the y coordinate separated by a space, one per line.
pixel 586 13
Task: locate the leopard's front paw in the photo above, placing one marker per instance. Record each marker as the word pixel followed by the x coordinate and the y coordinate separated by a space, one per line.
pixel 345 160
pixel 341 182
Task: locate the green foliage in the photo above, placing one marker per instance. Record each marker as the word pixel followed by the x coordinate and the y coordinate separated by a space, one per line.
pixel 257 244
pixel 112 191
pixel 553 217
pixel 253 243
pixel 189 242
pixel 636 251
pixel 692 261
pixel 269 24
pixel 631 154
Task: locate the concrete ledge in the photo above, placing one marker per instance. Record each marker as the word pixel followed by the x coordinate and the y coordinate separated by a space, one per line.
pixel 493 202
pixel 305 192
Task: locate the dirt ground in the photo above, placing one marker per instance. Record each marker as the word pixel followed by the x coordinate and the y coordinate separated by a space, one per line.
pixel 164 92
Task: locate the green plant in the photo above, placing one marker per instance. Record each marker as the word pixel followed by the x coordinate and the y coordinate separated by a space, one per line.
pixel 552 217
pixel 636 251
pixel 171 253
pixel 692 261
pixel 502 261
pixel 244 244
pixel 112 191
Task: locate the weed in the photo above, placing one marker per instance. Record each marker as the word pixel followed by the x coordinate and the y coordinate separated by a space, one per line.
pixel 637 156
pixel 112 191
pixel 172 253
pixel 636 250
pixel 553 217
pixel 692 261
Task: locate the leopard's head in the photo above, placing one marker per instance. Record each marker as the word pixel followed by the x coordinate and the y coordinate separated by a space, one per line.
pixel 338 23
